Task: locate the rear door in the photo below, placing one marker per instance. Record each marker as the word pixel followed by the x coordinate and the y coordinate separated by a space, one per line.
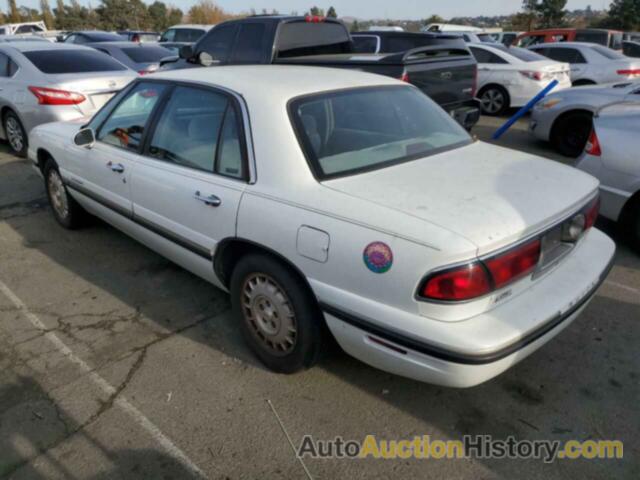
pixel 571 56
pixel 103 172
pixel 187 186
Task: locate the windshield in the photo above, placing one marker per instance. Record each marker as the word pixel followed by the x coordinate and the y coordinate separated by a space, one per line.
pixel 608 53
pixel 352 131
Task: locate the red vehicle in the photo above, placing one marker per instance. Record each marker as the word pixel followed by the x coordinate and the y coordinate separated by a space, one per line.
pixel 608 38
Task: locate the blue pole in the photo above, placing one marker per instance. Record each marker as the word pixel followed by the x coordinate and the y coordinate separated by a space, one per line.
pixel 521 113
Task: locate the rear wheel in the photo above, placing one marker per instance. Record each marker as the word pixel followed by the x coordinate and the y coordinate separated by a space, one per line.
pixel 571 132
pixel 494 100
pixel 66 210
pixel 278 315
pixel 630 223
pixel 16 136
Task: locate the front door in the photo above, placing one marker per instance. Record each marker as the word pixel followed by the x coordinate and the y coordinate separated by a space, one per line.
pixel 103 172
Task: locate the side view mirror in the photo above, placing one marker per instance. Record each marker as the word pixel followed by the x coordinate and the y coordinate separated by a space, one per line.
pixel 85 138
pixel 206 60
pixel 186 52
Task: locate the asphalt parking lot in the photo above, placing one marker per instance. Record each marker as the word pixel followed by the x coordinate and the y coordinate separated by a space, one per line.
pixel 114 363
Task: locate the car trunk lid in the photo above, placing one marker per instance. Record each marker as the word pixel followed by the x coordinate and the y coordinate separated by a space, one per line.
pixel 489 195
pixel 98 88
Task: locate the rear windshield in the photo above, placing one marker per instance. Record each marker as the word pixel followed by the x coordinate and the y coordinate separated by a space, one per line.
pixel 72 61
pixel 146 54
pixel 187 35
pixel 352 131
pixel 296 39
pixel 608 53
pixel 522 53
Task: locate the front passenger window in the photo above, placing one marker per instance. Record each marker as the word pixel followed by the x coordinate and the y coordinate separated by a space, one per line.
pixel 126 125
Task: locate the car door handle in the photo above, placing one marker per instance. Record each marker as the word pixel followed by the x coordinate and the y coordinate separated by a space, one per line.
pixel 116 167
pixel 211 200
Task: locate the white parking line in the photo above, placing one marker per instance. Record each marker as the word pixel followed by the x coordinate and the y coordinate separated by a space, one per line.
pixel 623 287
pixel 106 387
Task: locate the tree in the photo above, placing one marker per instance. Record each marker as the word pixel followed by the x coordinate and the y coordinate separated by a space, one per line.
pixel 551 13
pixel 529 16
pixel 123 15
pixel 625 14
pixel 331 13
pixel 316 12
pixel 47 16
pixel 14 13
pixel 59 12
pixel 207 12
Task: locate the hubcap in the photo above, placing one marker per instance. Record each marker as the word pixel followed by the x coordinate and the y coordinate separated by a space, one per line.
pixel 492 101
pixel 269 314
pixel 58 194
pixel 14 134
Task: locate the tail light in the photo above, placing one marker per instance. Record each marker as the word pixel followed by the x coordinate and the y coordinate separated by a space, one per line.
pixel 593 145
pixel 477 279
pixel 515 264
pixel 591 213
pixel 538 76
pixel 314 19
pixel 635 72
pixel 462 283
pixel 405 77
pixel 50 96
pixel 143 72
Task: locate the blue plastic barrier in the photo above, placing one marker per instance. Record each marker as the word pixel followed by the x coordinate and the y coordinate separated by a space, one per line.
pixel 521 113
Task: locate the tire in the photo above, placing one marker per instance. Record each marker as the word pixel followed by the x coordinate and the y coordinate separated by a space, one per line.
pixel 630 223
pixel 278 315
pixel 494 100
pixel 66 210
pixel 15 134
pixel 570 133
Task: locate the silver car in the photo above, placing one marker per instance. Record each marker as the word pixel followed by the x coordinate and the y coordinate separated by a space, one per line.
pixel 612 156
pixel 565 118
pixel 44 82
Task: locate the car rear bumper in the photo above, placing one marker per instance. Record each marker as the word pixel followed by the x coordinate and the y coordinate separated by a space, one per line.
pixel 455 364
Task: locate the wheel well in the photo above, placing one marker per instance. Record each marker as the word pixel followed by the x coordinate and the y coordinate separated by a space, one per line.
pixel 5 110
pixel 565 115
pixel 494 85
pixel 629 206
pixel 43 157
pixel 230 251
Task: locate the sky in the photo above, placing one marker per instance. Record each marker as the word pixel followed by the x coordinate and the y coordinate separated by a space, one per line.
pixel 394 9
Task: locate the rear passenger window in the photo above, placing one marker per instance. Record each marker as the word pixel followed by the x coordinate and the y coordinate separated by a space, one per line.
pixel 4 65
pixel 196 128
pixel 128 122
pixel 249 44
pixel 365 44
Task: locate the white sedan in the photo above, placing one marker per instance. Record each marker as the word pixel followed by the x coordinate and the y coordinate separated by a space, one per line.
pixel 321 197
pixel 591 64
pixel 511 76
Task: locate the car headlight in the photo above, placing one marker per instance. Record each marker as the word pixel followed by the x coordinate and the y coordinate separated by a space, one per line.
pixel 548 103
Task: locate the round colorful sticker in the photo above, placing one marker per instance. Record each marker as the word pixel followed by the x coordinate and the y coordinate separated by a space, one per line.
pixel 378 257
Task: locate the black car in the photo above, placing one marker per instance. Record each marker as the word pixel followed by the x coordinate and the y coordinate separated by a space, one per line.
pixel 92 36
pixel 142 57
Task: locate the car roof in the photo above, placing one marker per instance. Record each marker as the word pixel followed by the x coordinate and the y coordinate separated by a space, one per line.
pixel 282 82
pixel 193 25
pixel 94 33
pixel 39 46
pixel 567 44
pixel 124 44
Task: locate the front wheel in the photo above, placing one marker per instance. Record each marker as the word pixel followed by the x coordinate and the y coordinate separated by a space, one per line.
pixel 278 315
pixel 15 134
pixel 66 210
pixel 494 100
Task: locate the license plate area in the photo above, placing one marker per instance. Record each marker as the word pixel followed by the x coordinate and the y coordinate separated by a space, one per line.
pixel 552 249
